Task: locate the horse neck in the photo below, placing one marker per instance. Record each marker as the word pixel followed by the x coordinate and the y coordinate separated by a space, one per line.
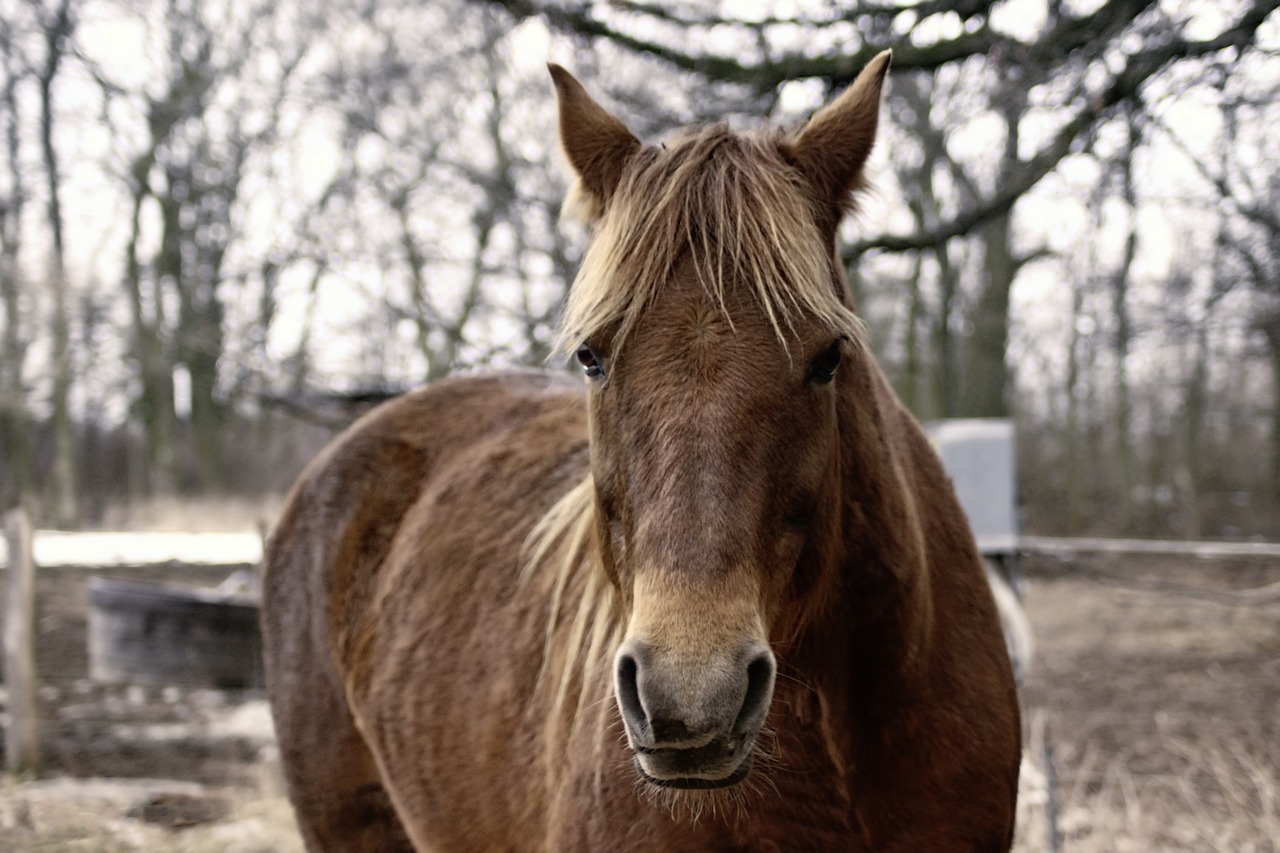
pixel 875 626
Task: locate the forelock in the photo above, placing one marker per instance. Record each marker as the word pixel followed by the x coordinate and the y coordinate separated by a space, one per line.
pixel 743 212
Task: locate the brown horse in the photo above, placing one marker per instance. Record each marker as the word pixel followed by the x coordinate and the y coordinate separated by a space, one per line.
pixel 720 598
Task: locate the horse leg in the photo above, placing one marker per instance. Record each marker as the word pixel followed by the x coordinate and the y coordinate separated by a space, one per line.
pixel 337 793
pixel 333 782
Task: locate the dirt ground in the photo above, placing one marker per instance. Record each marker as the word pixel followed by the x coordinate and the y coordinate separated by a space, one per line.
pixel 1159 705
pixel 130 767
pixel 1160 699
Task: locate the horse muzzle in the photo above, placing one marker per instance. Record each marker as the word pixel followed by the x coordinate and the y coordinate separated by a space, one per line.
pixel 719 764
pixel 693 725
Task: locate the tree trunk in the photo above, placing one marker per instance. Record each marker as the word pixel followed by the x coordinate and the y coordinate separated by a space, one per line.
pixel 1074 467
pixel 1272 334
pixel 14 422
pixel 155 377
pixel 984 393
pixel 913 367
pixel 1191 468
pixel 1124 336
pixel 945 348
pixel 201 316
pixel 62 482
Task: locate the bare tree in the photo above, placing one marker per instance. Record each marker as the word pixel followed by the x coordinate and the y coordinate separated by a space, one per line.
pixel 319 196
pixel 1123 333
pixel 205 117
pixel 57 25
pixel 14 421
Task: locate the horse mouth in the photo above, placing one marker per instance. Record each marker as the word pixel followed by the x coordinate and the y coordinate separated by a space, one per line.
pixel 716 765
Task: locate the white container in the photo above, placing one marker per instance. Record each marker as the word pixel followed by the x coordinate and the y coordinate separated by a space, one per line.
pixel 978 454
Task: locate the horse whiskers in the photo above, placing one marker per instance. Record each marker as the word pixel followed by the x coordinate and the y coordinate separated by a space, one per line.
pixel 796 680
pixel 728 805
pixel 731 805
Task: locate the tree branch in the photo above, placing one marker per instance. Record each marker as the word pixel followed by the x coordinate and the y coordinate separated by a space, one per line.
pixel 1070 35
pixel 1256 213
pixel 1141 67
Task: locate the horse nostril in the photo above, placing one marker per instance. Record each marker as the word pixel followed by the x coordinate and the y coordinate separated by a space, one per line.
pixel 668 706
pixel 627 686
pixel 761 672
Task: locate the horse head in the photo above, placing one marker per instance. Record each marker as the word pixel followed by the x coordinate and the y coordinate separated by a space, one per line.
pixel 711 320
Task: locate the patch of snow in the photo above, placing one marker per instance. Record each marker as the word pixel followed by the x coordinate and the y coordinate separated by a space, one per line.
pixel 250 721
pixel 59 548
pixel 126 791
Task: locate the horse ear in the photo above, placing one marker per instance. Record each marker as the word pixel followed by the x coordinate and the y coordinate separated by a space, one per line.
pixel 596 143
pixel 833 147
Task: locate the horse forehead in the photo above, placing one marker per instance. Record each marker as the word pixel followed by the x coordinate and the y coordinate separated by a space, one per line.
pixel 724 416
pixel 706 362
pixel 690 329
pixel 703 367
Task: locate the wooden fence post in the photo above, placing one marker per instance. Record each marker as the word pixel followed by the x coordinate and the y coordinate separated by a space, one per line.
pixel 22 737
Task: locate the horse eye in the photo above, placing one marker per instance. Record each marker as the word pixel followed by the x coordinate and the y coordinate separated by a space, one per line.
pixel 823 368
pixel 589 361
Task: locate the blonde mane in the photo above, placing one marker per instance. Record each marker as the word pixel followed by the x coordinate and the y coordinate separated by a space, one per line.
pixel 563 553
pixel 735 204
pixel 732 201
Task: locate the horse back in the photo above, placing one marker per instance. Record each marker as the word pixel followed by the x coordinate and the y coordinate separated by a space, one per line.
pixel 326 581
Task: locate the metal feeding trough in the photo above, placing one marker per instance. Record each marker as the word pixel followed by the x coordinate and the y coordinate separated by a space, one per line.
pixel 157 634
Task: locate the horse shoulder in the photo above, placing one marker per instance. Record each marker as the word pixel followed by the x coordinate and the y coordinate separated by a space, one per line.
pixel 345 542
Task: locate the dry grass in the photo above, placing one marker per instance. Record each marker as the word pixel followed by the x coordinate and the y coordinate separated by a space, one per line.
pixel 74 817
pixel 1220 797
pixel 1163 711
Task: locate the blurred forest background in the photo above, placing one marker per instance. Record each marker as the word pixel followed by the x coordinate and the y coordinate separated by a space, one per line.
pixel 221 219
